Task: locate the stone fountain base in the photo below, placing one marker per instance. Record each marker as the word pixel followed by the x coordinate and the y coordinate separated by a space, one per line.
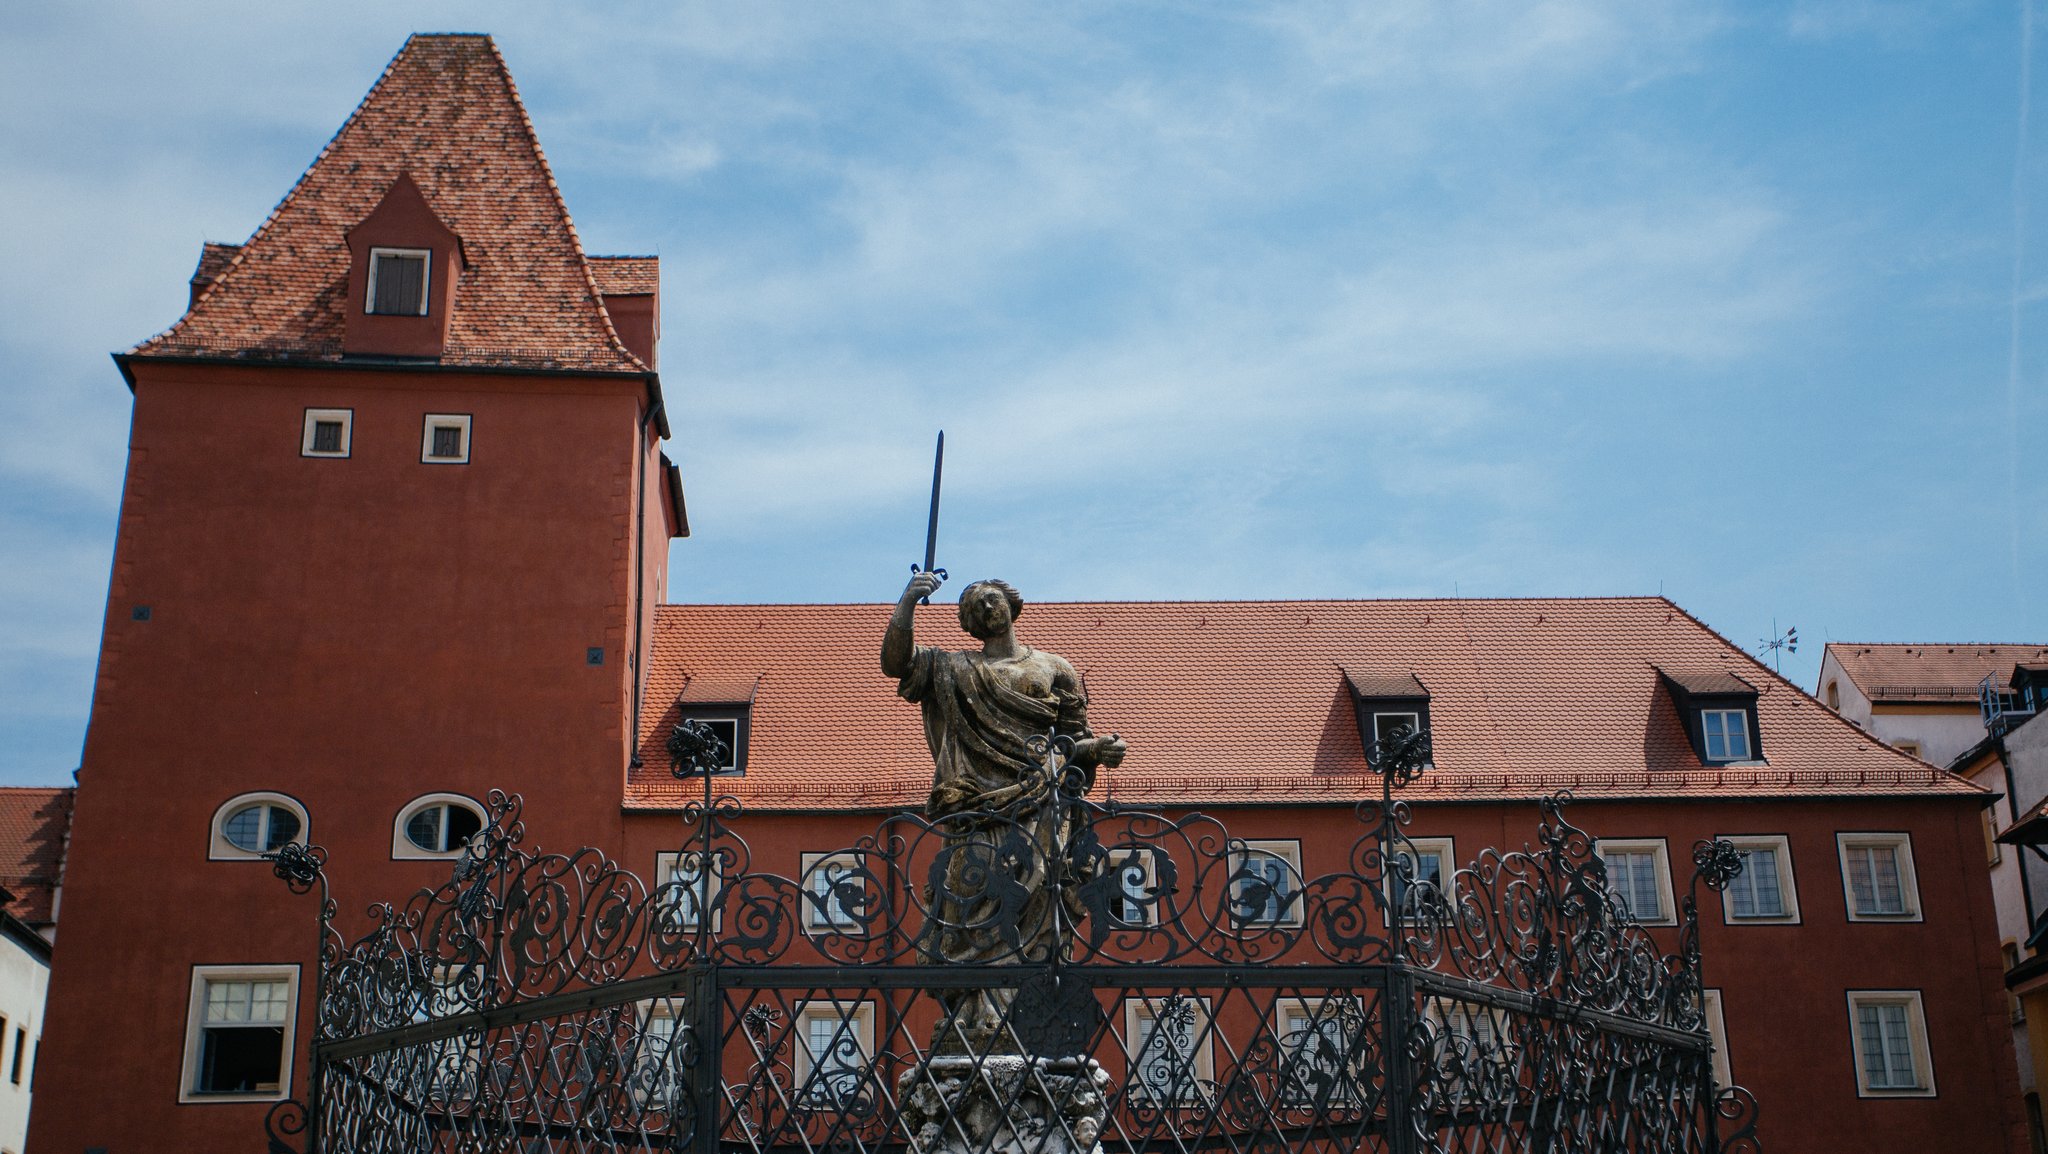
pixel 1004 1104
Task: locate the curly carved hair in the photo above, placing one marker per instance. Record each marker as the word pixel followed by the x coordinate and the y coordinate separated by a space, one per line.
pixel 1009 592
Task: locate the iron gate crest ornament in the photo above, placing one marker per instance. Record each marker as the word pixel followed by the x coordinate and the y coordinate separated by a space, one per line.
pixel 1019 969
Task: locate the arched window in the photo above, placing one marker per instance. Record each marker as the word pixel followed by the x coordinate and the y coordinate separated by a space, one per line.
pixel 1834 697
pixel 253 824
pixel 435 826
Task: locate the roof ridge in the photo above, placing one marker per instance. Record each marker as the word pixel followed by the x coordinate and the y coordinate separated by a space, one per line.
pixel 547 170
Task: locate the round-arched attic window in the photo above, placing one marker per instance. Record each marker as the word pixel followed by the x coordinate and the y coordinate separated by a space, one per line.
pixel 250 825
pixel 437 825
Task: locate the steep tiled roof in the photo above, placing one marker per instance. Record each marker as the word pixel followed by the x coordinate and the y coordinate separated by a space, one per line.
pixel 1247 701
pixel 33 822
pixel 626 275
pixel 214 258
pixel 1907 673
pixel 446 112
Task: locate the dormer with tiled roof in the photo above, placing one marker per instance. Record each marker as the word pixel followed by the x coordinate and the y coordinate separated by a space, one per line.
pixel 446 119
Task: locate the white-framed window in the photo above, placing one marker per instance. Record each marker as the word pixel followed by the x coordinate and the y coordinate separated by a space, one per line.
pixel 1134 897
pixel 1877 877
pixel 1478 1040
pixel 679 879
pixel 399 282
pixel 1431 862
pixel 1639 870
pixel 1909 748
pixel 327 433
pixel 838 893
pixel 1764 890
pixel 1265 883
pixel 1888 1032
pixel 1321 1043
pixel 435 826
pixel 1168 1040
pixel 1993 853
pixel 727 729
pixel 250 825
pixel 1389 725
pixel 1726 734
pixel 446 1071
pixel 444 439
pixel 1717 1029
pixel 238 1034
pixel 658 1076
pixel 835 1046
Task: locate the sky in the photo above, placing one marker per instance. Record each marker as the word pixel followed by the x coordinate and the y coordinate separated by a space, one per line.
pixel 1741 304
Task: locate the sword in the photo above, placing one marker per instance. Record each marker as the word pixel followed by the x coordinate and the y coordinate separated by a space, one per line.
pixel 931 528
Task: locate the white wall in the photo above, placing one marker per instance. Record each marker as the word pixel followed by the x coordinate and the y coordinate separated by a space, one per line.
pixel 24 977
pixel 1942 736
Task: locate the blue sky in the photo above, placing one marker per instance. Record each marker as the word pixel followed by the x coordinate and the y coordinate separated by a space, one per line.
pixel 1741 303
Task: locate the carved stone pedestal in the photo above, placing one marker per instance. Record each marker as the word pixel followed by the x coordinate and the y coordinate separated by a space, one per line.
pixel 1005 1104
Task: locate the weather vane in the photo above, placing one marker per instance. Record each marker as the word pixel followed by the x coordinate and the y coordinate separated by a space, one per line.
pixel 931 528
pixel 1777 645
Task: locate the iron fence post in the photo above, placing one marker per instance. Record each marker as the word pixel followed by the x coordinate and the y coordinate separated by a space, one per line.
pixel 1400 994
pixel 704 1074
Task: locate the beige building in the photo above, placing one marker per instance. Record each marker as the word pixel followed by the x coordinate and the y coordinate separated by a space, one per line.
pixel 1974 710
pixel 1923 699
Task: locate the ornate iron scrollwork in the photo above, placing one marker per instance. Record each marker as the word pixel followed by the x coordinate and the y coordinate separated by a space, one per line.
pixel 1157 982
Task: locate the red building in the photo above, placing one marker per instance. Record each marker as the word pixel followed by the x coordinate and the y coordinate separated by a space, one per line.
pixel 394 534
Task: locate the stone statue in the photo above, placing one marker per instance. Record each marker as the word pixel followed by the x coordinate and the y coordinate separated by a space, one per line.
pixel 982 709
pixel 985 1089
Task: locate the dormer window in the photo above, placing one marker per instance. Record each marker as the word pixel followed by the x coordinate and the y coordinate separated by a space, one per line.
pixel 398 282
pixel 1718 710
pixel 725 706
pixel 1727 734
pixel 1388 706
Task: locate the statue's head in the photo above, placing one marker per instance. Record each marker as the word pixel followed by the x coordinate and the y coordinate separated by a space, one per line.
pixel 988 607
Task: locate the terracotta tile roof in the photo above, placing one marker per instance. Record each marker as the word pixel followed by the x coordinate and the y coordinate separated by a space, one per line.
pixel 1382 683
pixel 213 258
pixel 626 275
pixel 1908 673
pixel 1247 702
pixel 1707 682
pixel 446 112
pixel 33 822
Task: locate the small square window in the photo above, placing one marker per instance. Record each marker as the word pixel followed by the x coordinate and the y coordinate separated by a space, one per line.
pixel 1387 726
pixel 1764 890
pixel 835 1044
pixel 1432 866
pixel 1888 1033
pixel 1134 897
pixel 326 432
pixel 398 282
pixel 1322 1044
pixel 1639 872
pixel 838 893
pixel 445 440
pixel 1877 877
pixel 1169 1047
pixel 1265 883
pixel 1727 734
pixel 731 731
pixel 682 895
pixel 238 1033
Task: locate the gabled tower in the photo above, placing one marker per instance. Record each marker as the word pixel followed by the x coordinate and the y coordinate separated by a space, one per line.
pixel 394 518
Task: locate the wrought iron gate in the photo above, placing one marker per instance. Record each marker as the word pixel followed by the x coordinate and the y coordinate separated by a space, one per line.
pixel 1155 985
